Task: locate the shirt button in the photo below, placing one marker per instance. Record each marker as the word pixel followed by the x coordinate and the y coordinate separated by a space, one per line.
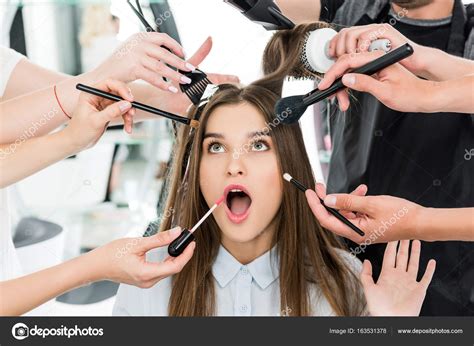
pixel 244 271
pixel 243 308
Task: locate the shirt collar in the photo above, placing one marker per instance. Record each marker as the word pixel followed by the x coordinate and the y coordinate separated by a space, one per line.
pixel 264 270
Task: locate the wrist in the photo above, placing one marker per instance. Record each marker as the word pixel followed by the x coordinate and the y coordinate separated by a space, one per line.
pixel 420 230
pixel 68 143
pixel 94 265
pixel 435 97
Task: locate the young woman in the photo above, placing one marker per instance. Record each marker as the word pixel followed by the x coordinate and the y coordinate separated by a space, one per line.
pixel 262 252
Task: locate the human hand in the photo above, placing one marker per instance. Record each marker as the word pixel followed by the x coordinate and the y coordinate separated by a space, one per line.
pixel 93 114
pixel 124 260
pixel 143 56
pixel 382 218
pixel 397 293
pixel 394 86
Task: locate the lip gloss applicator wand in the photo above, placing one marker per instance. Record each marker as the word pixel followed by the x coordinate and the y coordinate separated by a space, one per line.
pixel 178 245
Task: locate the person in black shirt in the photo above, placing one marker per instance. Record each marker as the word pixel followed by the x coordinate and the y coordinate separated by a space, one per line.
pixel 409 155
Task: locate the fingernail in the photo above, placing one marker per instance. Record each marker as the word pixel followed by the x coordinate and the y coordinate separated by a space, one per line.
pixel 130 93
pixel 190 67
pixel 175 231
pixel 330 201
pixel 348 79
pixel 124 105
pixel 173 89
pixel 186 80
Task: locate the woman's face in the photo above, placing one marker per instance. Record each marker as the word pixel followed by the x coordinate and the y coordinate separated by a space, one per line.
pixel 240 162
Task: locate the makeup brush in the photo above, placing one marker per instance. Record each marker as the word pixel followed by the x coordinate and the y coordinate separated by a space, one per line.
pixel 334 212
pixel 138 105
pixel 295 106
pixel 178 245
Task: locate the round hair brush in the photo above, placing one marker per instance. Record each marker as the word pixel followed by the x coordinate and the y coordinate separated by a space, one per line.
pixel 315 53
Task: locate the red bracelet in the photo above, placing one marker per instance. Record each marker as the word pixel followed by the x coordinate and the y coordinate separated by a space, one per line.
pixel 59 103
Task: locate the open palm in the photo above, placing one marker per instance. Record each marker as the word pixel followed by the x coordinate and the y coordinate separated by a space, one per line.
pixel 397 292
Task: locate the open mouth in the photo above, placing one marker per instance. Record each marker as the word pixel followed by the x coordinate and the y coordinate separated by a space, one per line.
pixel 238 203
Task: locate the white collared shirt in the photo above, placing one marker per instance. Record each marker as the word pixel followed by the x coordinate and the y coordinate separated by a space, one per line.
pixel 241 290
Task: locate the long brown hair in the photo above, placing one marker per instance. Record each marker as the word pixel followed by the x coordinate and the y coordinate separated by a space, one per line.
pixel 307 253
pixel 282 55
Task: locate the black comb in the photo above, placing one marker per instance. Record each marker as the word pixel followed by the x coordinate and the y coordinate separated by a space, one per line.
pixel 196 89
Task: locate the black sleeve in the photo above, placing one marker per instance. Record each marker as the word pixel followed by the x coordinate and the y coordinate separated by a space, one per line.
pixel 329 9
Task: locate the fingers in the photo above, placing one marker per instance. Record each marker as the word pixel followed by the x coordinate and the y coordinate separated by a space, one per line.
pixel 390 255
pixel 201 53
pixel 346 62
pixel 114 110
pixel 402 255
pixel 159 239
pixel 360 190
pixel 414 258
pixel 321 190
pixel 154 79
pixel 315 205
pixel 326 219
pixel 428 276
pixel 366 274
pixel 176 264
pixel 164 71
pixel 361 82
pixel 154 272
pixel 160 39
pixel 128 120
pixel 343 100
pixel 112 86
pixel 169 58
pixel 348 202
pixel 356 39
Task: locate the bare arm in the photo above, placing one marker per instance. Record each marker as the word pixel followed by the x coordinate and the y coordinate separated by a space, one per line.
pixel 18 298
pixel 27 77
pixel 300 11
pixel 22 159
pixel 27 156
pixel 109 262
pixel 441 66
pixel 20 112
pixel 413 221
pixel 445 224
